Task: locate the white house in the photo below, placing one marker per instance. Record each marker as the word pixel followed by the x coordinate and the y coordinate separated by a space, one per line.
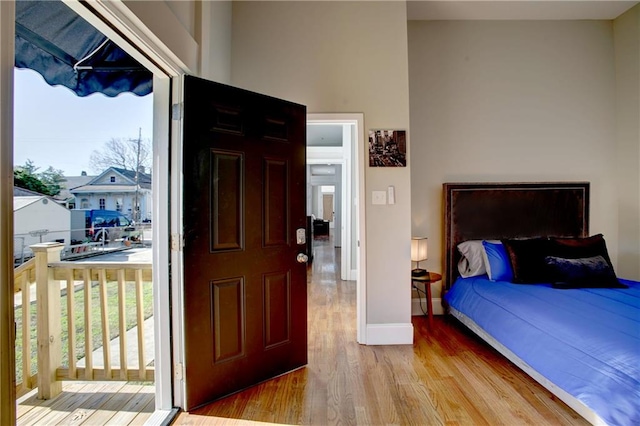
pixel 116 189
pixel 65 196
pixel 37 218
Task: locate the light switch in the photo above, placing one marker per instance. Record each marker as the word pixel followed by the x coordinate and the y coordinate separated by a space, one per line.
pixel 378 197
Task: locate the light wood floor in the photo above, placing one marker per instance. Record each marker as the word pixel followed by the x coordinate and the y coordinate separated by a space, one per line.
pixel 447 377
pixel 90 403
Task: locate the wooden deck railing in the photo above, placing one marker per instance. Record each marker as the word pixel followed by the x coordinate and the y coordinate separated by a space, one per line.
pixel 24 278
pixel 47 271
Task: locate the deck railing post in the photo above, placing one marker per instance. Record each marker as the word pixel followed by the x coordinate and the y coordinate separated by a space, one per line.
pixel 49 327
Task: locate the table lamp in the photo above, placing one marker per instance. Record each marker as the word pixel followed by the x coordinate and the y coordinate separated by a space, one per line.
pixel 418 254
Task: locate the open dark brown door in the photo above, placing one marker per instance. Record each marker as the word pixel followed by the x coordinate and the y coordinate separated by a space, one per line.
pixel 245 294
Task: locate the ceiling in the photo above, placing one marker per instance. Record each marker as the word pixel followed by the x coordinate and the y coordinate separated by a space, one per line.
pixel 517 10
pixel 324 135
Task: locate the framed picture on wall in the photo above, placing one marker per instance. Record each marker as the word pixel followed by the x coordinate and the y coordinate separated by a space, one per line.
pixel 387 148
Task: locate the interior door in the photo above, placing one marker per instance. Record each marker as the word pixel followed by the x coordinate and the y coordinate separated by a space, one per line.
pixel 245 294
pixel 327 207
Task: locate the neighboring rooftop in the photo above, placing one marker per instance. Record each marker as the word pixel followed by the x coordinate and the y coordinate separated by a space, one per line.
pixel 71 182
pixel 21 192
pixel 23 201
pixel 144 179
pixel 101 184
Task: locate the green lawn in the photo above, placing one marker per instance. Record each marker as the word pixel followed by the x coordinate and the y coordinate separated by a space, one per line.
pixel 112 302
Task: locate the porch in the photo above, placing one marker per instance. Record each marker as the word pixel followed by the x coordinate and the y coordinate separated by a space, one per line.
pixel 90 403
pixel 84 339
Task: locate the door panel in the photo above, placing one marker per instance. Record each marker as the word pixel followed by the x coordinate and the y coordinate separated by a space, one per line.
pixel 228 318
pixel 226 200
pixel 276 204
pixel 277 291
pixel 244 197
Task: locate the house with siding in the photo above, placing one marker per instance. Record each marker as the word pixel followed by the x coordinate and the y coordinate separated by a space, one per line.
pixel 65 197
pixel 117 189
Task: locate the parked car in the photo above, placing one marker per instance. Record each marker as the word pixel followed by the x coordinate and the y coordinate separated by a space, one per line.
pixel 103 225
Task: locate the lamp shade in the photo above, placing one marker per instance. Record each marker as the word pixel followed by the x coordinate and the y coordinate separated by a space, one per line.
pixel 418 249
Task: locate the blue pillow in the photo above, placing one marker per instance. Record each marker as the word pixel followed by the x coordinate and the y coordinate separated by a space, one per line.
pixel 497 262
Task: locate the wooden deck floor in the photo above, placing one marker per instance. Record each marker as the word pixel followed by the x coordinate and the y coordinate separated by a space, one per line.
pixel 90 403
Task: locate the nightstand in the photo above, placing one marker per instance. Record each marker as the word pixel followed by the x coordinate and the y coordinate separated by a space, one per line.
pixel 427 280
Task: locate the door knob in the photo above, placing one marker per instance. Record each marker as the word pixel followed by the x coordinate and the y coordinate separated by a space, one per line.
pixel 302 258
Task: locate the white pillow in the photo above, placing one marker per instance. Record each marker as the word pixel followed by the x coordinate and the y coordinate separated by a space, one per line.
pixel 472 262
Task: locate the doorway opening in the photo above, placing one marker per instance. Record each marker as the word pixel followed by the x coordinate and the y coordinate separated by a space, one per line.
pixel 335 181
pixel 95 156
pixel 123 29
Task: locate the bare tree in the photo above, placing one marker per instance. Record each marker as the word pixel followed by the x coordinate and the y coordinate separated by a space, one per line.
pixel 122 153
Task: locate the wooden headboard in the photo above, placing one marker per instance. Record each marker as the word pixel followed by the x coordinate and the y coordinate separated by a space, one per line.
pixel 477 211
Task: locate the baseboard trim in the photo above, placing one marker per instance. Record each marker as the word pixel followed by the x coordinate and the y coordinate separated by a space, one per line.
pixel 390 334
pixel 435 303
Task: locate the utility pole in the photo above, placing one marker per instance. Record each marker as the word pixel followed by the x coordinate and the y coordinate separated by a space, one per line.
pixel 136 207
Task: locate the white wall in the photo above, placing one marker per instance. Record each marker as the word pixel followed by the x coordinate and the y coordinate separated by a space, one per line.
pixel 342 57
pixel 197 33
pixel 185 12
pixel 165 24
pixel 512 101
pixel 41 214
pixel 215 40
pixel 627 62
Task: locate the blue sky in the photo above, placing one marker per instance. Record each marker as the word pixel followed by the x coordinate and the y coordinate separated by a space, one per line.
pixel 54 127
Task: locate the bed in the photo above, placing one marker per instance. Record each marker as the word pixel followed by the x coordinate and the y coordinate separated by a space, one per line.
pixel 582 343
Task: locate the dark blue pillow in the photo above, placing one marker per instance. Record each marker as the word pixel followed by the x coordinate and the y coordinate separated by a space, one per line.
pixel 497 265
pixel 592 272
pixel 527 257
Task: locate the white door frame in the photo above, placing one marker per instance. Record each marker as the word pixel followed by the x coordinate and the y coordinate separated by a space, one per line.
pixel 353 203
pixel 340 217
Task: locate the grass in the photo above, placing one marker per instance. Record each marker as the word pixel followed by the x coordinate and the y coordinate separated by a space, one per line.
pixel 96 321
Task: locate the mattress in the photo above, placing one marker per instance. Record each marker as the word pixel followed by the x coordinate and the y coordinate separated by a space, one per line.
pixel 582 343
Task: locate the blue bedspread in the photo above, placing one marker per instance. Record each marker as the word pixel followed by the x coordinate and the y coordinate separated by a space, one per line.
pixel 585 341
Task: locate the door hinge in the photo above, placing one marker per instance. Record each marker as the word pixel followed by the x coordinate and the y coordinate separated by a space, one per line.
pixel 179 372
pixel 177 111
pixel 177 243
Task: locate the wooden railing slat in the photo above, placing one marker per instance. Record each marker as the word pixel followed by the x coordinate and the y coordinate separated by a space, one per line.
pixel 71 325
pixel 106 347
pixel 88 325
pixel 123 324
pixel 140 320
pixel 25 288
